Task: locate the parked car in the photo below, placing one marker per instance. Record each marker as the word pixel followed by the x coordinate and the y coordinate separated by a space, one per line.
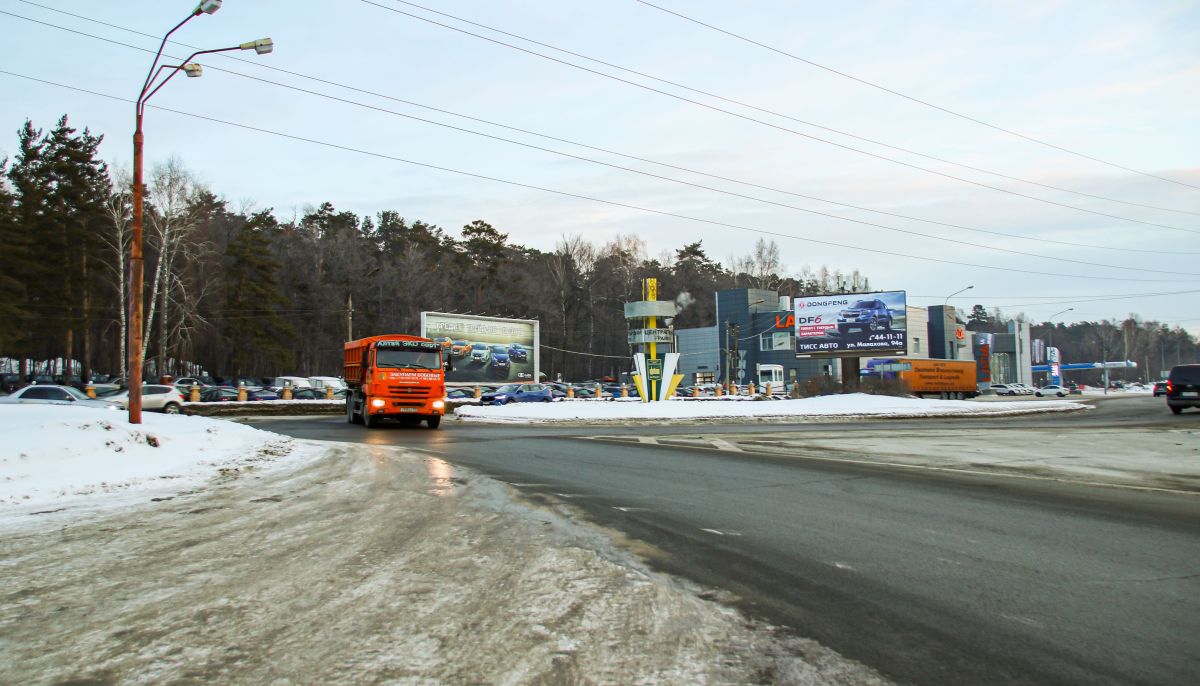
pixel 1160 388
pixel 321 382
pixel 1183 387
pixel 155 398
pixel 460 348
pixel 217 394
pixel 262 394
pixel 518 393
pixel 1052 389
pixel 865 315
pixel 1004 389
pixel 517 352
pixel 52 394
pixel 9 382
pixel 481 352
pixel 308 394
pixel 295 381
pixel 460 394
pixel 500 361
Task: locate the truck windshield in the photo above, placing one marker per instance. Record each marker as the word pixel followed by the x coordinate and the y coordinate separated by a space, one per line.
pixel 407 359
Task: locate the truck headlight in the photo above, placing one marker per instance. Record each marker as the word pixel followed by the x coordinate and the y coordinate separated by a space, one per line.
pixel 438 404
pixel 378 402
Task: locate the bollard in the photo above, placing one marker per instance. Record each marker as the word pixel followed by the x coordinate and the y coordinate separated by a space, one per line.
pixel 624 391
pixel 750 389
pixel 90 390
pixel 719 390
pixel 478 392
pixel 194 393
pixel 767 389
pixel 329 392
pixel 695 391
pixel 571 392
pixel 287 390
pixel 796 390
pixel 241 391
pixel 598 393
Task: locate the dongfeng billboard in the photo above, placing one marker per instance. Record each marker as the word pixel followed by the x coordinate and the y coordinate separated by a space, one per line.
pixel 485 349
pixel 851 325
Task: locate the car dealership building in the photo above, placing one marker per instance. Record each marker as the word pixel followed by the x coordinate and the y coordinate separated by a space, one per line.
pixel 754 340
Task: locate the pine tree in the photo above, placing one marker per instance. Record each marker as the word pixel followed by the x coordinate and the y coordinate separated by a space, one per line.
pixel 13 263
pixel 260 338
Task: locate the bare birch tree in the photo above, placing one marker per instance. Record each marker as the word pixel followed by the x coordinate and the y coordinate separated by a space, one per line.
pixel 116 242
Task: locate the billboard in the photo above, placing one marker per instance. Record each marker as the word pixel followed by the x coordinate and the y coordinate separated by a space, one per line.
pixel 485 349
pixel 851 325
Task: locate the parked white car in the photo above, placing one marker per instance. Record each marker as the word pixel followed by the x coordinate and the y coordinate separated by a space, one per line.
pixel 327 381
pixel 293 381
pixel 155 398
pixel 50 394
pixel 1052 389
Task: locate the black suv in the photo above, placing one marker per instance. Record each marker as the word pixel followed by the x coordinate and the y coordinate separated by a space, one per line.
pixel 1183 387
pixel 865 315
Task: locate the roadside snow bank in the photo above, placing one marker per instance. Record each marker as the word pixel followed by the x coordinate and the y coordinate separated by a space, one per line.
pixel 53 453
pixel 850 405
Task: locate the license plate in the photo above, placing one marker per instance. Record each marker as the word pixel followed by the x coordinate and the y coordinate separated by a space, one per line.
pixel 1190 394
pixel 408 409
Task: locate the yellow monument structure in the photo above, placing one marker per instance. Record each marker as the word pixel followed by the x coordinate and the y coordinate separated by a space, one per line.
pixel 654 373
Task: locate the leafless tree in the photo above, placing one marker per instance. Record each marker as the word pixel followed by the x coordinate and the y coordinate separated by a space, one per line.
pixel 116 243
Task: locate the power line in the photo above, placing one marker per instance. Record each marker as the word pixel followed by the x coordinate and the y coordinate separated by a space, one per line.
pixel 601 149
pixel 786 116
pixel 777 126
pixel 613 203
pixel 913 99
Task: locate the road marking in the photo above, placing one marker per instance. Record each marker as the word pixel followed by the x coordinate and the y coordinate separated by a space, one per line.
pixel 1024 620
pixel 721 533
pixel 647 439
pixel 629 509
pixel 723 444
pixel 570 495
pixel 842 565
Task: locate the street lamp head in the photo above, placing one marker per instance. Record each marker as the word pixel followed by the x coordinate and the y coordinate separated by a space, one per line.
pixel 208 6
pixel 262 46
pixel 193 70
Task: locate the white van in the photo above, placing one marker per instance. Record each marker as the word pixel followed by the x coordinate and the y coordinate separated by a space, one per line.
pixel 293 381
pixel 327 382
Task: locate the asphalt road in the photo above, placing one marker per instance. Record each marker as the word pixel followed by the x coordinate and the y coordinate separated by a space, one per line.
pixel 931 578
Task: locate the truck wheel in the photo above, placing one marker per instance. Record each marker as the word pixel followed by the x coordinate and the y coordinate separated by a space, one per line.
pixel 350 418
pixel 370 420
pixel 434 422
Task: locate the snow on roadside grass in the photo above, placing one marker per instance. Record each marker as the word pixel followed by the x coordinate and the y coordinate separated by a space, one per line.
pixel 53 453
pixel 849 405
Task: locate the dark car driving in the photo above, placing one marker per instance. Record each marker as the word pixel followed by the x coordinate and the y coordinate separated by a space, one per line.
pixel 1183 387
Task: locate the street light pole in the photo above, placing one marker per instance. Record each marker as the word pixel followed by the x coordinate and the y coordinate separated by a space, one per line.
pixel 950 344
pixel 136 258
pixel 1050 320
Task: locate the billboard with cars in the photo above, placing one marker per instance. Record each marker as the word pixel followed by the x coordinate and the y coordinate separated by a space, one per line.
pixel 485 349
pixel 851 324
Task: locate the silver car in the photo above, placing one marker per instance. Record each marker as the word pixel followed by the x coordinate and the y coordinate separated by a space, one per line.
pixel 155 398
pixel 50 394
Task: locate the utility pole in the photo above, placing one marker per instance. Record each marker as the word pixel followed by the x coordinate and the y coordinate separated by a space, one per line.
pixel 349 317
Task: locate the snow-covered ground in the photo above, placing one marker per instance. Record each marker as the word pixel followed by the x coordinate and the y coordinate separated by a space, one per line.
pixel 850 405
pixel 52 454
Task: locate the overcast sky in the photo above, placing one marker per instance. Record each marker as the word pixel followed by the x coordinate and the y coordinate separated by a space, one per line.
pixel 1117 81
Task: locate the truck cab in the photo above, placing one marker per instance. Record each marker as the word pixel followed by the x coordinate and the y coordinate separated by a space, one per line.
pixel 395 376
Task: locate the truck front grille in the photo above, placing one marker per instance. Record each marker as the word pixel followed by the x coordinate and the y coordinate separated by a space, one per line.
pixel 413 392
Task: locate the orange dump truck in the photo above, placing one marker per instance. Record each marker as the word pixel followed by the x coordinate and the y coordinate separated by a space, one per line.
pixel 394 376
pixel 925 378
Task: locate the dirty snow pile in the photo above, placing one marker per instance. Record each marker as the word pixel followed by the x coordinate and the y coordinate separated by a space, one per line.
pixel 849 405
pixel 53 453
